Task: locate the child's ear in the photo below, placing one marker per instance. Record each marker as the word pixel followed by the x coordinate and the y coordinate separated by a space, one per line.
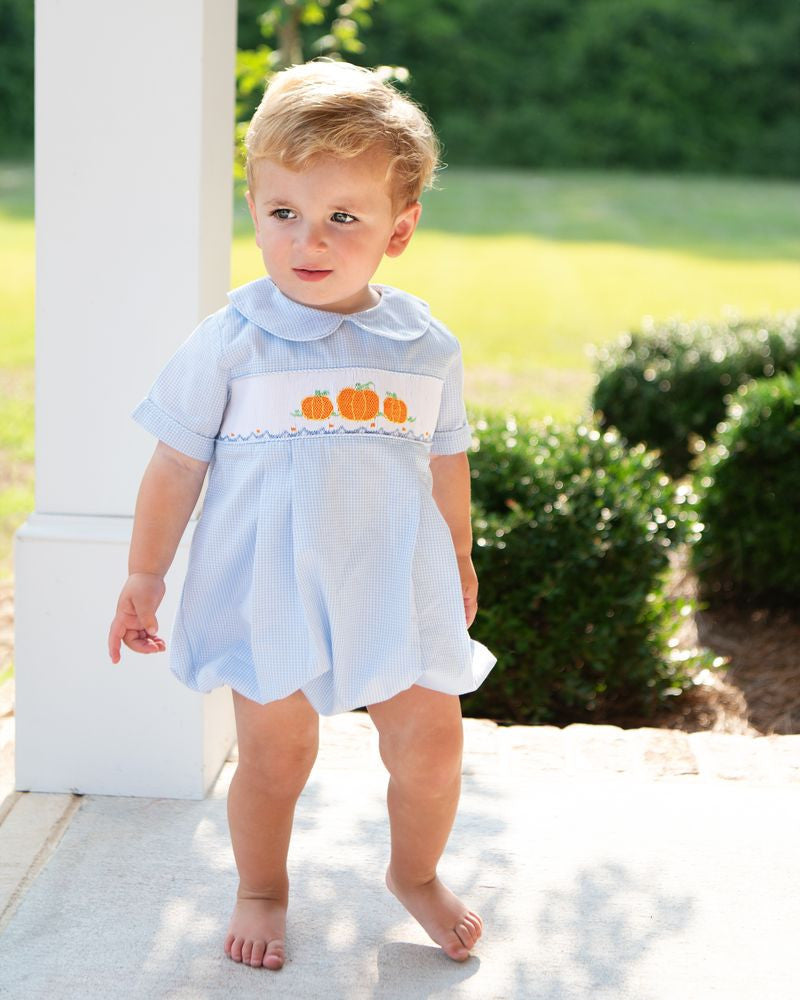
pixel 253 215
pixel 404 226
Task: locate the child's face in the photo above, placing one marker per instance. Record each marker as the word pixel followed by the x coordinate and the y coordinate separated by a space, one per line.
pixel 323 230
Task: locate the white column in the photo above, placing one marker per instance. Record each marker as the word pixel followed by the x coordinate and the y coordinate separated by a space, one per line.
pixel 134 141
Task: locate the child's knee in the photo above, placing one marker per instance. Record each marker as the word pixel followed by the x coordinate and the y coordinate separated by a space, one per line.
pixel 428 761
pixel 283 771
pixel 277 739
pixel 280 755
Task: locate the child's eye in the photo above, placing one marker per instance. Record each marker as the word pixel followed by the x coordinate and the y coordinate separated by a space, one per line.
pixel 344 217
pixel 283 213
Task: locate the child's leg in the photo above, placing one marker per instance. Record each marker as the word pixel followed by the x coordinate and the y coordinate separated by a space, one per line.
pixel 421 738
pixel 277 748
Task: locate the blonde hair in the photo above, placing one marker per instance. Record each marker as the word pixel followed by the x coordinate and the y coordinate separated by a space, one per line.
pixel 336 108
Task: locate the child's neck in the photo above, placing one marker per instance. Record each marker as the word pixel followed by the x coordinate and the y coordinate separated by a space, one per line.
pixel 367 299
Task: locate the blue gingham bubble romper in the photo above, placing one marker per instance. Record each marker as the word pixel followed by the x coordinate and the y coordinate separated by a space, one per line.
pixel 320 561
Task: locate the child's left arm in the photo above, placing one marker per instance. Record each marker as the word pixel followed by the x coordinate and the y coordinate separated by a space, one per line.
pixel 451 491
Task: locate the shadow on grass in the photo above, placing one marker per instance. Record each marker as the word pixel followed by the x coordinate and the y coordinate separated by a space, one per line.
pixel 16 189
pixel 720 217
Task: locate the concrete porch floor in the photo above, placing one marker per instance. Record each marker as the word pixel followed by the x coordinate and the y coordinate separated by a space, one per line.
pixel 607 864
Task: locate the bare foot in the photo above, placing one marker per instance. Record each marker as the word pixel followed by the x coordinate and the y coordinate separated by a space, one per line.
pixel 442 915
pixel 257 932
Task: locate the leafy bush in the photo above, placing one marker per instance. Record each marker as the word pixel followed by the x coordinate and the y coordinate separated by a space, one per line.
pixel 749 484
pixel 572 540
pixel 668 383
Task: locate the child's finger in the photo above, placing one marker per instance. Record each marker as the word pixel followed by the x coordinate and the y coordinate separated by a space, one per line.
pixel 140 642
pixel 115 634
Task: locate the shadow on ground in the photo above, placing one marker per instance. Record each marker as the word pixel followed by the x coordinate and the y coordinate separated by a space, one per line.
pixel 136 900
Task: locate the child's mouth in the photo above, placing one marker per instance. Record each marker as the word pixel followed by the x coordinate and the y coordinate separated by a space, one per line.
pixel 304 274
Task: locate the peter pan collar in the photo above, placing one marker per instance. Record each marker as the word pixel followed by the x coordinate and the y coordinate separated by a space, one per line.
pixel 398 316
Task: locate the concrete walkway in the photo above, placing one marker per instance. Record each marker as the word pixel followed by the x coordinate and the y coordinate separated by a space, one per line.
pixel 607 864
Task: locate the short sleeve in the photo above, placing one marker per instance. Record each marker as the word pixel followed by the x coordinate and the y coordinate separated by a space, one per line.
pixel 453 433
pixel 185 405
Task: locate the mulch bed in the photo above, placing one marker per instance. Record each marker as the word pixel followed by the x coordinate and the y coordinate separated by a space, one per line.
pixel 762 681
pixel 757 691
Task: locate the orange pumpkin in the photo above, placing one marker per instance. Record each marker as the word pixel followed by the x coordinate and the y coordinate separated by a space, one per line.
pixel 318 406
pixel 394 409
pixel 359 403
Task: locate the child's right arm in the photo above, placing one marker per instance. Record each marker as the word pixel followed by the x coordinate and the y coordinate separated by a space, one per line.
pixel 170 487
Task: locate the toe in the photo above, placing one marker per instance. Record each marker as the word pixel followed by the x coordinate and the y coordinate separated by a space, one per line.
pixel 454 947
pixel 236 949
pixel 466 933
pixel 247 951
pixel 275 955
pixel 228 942
pixel 257 954
pixel 473 922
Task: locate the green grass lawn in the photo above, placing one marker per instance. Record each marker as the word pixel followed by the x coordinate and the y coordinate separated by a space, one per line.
pixel 16 354
pixel 527 269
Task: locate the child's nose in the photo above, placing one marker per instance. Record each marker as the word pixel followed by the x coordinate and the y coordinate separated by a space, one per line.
pixel 312 237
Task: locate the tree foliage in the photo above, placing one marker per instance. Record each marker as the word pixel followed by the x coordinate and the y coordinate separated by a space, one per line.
pixel 288 33
pixel 16 77
pixel 665 85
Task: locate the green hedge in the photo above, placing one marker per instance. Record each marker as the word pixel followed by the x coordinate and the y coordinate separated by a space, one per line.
pixel 572 540
pixel 660 85
pixel 16 78
pixel 668 383
pixel 749 487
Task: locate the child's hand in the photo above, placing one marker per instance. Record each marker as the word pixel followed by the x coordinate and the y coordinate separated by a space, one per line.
pixel 469 587
pixel 135 622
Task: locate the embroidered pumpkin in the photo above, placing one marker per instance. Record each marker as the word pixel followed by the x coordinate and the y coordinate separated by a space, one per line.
pixel 318 406
pixel 359 403
pixel 394 409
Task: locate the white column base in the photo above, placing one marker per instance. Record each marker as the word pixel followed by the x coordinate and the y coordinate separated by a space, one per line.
pixel 84 724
